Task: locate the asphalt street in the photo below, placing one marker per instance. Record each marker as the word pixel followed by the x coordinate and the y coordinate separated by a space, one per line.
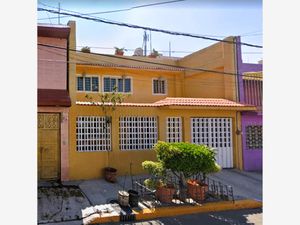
pixel 236 217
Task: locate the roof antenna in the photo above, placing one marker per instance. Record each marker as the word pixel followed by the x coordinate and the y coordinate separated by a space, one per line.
pixel 59 13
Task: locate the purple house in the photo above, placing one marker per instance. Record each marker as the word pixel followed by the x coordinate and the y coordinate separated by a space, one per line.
pixel 250 85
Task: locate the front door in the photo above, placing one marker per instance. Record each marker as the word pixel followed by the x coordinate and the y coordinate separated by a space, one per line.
pixel 48 146
pixel 216 133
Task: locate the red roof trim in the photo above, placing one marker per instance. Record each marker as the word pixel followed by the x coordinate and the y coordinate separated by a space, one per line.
pixel 53 97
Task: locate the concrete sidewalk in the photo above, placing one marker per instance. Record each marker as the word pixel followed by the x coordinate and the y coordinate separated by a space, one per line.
pixel 66 206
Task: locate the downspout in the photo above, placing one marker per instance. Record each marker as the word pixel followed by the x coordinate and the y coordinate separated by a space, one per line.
pixel 237 88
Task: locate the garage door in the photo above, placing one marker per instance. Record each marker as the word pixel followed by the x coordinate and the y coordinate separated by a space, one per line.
pixel 216 133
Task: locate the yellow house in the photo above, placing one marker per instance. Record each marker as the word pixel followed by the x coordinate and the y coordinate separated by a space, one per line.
pixel 168 99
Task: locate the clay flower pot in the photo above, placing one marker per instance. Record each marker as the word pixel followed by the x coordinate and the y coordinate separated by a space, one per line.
pixel 110 174
pixel 196 190
pixel 165 193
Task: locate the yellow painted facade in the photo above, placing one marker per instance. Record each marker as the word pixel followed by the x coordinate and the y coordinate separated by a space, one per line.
pixel 180 83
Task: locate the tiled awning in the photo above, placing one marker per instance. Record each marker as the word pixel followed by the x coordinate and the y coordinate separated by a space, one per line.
pixel 205 103
pixel 53 97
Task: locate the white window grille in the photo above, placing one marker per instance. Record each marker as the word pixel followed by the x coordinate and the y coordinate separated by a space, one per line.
pixel 174 129
pixel 93 134
pixel 159 86
pixel 88 83
pixel 214 132
pixel 122 84
pixel 137 133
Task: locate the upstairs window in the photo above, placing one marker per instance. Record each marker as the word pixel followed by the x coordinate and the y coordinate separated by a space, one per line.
pixel 122 84
pixel 159 86
pixel 86 83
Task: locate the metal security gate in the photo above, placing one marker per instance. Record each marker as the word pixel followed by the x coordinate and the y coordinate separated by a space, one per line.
pixel 216 133
pixel 48 146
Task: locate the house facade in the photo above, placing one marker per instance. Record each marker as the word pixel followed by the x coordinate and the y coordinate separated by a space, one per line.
pixel 53 102
pixel 251 92
pixel 166 99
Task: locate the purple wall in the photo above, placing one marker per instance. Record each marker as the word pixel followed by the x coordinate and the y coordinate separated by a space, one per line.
pixel 252 158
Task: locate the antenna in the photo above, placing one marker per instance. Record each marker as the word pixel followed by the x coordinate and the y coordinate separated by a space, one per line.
pixel 59 13
pixel 150 43
pixel 145 43
pixel 169 48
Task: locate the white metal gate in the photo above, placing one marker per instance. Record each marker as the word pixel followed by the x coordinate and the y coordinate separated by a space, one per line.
pixel 216 133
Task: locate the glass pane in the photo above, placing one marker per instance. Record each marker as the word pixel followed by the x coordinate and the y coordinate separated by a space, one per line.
pixel 95 84
pixel 106 84
pixel 79 83
pixel 127 85
pixel 87 83
pixel 112 84
pixel 120 85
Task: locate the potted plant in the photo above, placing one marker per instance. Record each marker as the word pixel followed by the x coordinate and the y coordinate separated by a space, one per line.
pixel 164 190
pixel 86 49
pixel 184 160
pixel 154 54
pixel 119 51
pixel 108 102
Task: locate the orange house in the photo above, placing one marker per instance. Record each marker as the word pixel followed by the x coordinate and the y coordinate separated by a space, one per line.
pixel 187 99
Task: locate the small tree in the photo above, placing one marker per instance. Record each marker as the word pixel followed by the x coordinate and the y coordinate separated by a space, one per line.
pixel 184 160
pixel 108 102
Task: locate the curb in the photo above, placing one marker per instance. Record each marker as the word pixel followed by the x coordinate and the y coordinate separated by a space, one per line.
pixel 145 214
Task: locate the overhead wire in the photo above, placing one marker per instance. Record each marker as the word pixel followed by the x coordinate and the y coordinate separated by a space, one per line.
pixel 97 19
pixel 147 62
pixel 117 10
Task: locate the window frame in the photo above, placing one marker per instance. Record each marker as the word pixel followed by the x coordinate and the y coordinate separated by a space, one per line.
pixel 127 134
pixel 118 77
pixel 166 86
pixel 180 128
pixel 83 121
pixel 90 76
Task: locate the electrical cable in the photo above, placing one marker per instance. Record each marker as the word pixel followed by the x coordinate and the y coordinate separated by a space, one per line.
pixel 147 62
pixel 113 11
pixel 96 19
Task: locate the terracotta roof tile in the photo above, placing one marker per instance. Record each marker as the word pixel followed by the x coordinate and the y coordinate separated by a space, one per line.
pixel 204 102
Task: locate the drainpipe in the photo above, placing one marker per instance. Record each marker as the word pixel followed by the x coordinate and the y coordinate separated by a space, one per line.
pixel 237 89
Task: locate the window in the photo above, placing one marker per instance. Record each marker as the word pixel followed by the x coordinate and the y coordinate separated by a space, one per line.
pixel 174 127
pixel 88 84
pixel 92 134
pixel 122 84
pixel 138 133
pixel 254 137
pixel 159 86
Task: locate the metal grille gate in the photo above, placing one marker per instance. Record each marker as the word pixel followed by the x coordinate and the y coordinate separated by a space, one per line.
pixel 216 133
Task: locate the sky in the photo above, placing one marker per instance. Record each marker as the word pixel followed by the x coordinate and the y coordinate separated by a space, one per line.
pixel 214 18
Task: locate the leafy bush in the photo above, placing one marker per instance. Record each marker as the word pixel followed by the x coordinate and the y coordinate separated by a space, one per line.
pixel 186 158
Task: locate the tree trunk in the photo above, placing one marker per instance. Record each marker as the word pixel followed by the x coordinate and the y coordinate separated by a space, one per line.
pixel 182 188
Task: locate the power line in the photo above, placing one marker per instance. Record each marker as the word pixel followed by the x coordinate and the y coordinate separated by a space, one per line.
pixel 117 10
pixel 154 63
pixel 96 19
pixel 173 51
